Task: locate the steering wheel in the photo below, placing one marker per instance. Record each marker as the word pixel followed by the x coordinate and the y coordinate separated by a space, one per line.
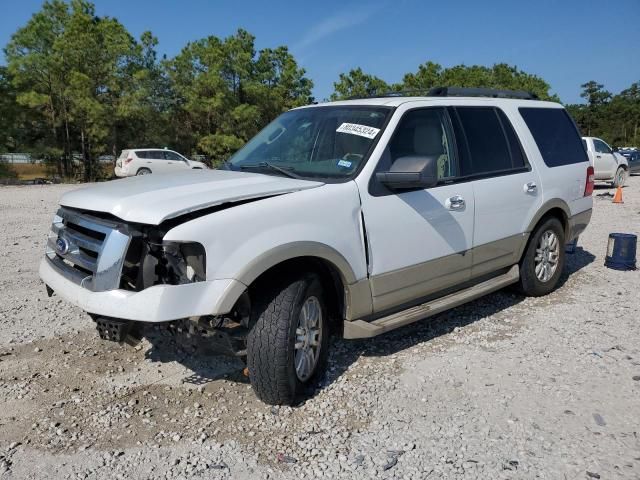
pixel 352 156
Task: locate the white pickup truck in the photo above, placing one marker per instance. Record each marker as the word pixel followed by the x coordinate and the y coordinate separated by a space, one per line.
pixel 353 217
pixel 609 165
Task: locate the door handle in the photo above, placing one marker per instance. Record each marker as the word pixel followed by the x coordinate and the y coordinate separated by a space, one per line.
pixel 598 156
pixel 530 187
pixel 455 203
pixel 170 163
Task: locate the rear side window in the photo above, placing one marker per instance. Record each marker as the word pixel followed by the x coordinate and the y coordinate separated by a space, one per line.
pixel 555 134
pixel 487 148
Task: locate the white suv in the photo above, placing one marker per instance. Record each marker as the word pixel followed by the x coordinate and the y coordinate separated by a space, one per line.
pixel 142 161
pixel 355 217
pixel 608 165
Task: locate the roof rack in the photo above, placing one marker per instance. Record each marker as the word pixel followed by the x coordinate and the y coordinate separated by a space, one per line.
pixel 456 92
pixel 481 92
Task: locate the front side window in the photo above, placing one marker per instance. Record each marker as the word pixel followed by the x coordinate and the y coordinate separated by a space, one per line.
pixel 318 142
pixel 423 133
pixel 600 146
pixel 172 156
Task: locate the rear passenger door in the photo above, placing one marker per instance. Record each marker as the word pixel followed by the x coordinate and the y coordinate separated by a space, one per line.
pixel 158 161
pixel 506 189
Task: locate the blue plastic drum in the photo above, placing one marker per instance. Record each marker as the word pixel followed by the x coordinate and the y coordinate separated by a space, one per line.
pixel 621 251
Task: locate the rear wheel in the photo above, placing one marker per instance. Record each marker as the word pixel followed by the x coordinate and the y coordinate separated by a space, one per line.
pixel 620 178
pixel 543 260
pixel 287 346
pixel 143 171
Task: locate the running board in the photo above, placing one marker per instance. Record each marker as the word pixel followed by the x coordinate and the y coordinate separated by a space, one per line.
pixel 363 329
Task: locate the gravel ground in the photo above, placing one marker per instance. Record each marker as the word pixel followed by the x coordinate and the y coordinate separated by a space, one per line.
pixel 504 387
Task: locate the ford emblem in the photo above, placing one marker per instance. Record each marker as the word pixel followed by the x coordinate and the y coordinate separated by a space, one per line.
pixel 62 246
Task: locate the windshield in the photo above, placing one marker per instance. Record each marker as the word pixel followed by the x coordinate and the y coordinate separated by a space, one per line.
pixel 324 142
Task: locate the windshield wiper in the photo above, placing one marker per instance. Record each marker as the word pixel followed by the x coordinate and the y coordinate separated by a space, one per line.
pixel 271 166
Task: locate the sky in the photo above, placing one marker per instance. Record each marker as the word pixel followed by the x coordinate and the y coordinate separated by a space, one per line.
pixel 566 42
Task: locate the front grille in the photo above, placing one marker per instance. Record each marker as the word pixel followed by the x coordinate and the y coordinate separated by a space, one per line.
pixel 88 250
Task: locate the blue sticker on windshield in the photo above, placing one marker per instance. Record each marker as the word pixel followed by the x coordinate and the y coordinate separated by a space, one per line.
pixel 344 163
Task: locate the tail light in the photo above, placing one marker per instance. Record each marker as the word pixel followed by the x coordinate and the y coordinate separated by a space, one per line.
pixel 130 159
pixel 588 186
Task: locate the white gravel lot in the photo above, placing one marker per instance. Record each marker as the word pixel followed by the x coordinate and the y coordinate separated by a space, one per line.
pixel 504 387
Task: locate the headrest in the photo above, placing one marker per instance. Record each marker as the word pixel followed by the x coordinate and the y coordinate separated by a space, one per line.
pixel 427 138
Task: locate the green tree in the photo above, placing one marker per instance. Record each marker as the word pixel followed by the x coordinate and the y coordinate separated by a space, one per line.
pixel 430 75
pixel 38 73
pixel 225 92
pixel 356 83
pixel 614 118
pixel 72 67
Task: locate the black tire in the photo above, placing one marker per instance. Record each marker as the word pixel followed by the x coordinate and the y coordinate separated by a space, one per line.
pixel 620 179
pixel 530 284
pixel 143 171
pixel 271 341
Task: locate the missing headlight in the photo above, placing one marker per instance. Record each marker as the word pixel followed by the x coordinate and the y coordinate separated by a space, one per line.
pixel 179 263
pixel 151 261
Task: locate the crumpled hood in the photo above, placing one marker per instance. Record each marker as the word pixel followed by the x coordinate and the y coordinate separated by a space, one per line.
pixel 151 199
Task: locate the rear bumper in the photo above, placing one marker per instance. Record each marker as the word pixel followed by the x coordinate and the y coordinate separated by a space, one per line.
pixel 577 224
pixel 160 303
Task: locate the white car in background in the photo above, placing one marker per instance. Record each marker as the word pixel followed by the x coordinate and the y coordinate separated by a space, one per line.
pixel 142 161
pixel 608 166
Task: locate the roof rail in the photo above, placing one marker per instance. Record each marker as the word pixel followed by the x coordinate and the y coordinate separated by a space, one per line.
pixel 454 92
pixel 481 92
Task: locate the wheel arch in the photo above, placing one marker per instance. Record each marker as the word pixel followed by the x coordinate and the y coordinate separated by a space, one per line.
pixel 334 270
pixel 552 208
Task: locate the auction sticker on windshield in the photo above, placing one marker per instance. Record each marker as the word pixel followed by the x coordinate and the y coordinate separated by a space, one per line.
pixel 357 129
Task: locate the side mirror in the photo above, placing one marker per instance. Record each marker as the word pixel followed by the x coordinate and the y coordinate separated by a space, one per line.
pixel 615 149
pixel 411 172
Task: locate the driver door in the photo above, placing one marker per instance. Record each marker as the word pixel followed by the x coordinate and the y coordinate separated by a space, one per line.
pixel 174 162
pixel 604 162
pixel 419 240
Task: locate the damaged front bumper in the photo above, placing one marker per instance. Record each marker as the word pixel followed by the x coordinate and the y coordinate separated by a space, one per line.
pixel 158 303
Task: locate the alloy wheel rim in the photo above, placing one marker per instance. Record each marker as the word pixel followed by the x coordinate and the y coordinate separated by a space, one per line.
pixel 547 256
pixel 308 338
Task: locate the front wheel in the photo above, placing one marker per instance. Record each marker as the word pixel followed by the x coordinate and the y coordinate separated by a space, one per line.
pixel 543 261
pixel 287 346
pixel 620 178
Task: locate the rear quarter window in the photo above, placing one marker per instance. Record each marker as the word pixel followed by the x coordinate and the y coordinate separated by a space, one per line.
pixel 555 134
